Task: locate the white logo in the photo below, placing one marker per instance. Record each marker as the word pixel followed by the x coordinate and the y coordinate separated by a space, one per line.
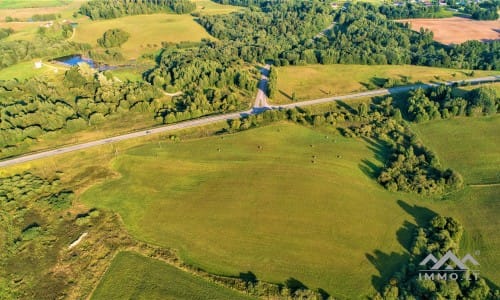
pixel 453 266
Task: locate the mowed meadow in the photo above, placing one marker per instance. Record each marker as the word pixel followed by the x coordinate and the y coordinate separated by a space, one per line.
pixel 133 276
pixel 147 32
pixel 319 81
pixel 282 201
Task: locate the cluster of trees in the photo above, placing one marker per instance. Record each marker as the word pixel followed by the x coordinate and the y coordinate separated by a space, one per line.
pixel 287 33
pixel 409 11
pixel 441 235
pixel 31 108
pixel 211 76
pixel 410 166
pixel 5 32
pixel 56 32
pixel 110 9
pixel 272 82
pixel 12 52
pixel 486 10
pixel 113 38
pixel 444 102
pixel 44 17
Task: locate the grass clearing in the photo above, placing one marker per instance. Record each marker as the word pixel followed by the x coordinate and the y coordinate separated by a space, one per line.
pixel 469 145
pixel 318 81
pixel 147 32
pixel 271 212
pixel 133 276
pixel 27 69
pixel 10 4
pixel 207 7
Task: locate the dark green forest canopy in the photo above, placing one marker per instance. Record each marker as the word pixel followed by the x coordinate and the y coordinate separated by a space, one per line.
pixel 110 9
pixel 287 33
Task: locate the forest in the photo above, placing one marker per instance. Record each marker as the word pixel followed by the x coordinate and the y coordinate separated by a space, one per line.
pixel 287 33
pixel 104 9
pixel 211 76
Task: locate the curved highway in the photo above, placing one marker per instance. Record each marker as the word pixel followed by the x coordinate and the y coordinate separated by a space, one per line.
pixel 212 119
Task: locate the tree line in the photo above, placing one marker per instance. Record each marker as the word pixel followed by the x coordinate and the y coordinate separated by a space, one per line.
pixel 409 11
pixel 443 102
pixel 110 9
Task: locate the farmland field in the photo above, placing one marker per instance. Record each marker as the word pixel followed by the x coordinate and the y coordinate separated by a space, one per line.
pixel 273 212
pixel 318 81
pixel 32 3
pixel 132 276
pixel 457 30
pixel 147 32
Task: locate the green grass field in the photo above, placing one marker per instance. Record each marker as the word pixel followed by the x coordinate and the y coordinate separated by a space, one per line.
pixel 27 69
pixel 10 4
pixel 146 31
pixel 132 276
pixel 273 212
pixel 207 7
pixel 468 145
pixel 317 81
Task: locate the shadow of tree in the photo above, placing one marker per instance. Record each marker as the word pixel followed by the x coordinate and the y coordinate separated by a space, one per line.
pixel 387 264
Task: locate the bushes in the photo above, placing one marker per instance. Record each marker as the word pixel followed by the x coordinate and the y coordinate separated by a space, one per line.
pixel 113 38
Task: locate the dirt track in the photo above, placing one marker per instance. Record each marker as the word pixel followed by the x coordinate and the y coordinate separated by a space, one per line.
pixel 457 30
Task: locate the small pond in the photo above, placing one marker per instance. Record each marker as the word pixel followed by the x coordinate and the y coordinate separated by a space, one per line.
pixel 72 60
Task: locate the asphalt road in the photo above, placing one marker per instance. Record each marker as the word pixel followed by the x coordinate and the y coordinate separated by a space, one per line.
pixel 213 119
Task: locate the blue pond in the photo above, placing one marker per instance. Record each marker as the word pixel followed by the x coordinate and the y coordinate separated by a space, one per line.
pixel 75 59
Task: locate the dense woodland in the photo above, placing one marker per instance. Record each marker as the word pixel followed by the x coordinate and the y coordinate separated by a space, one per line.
pixel 110 9
pixel 211 75
pixel 285 34
pixel 439 236
pixel 85 98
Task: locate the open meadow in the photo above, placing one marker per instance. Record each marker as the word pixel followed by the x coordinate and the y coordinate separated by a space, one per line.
pixel 318 81
pixel 147 32
pixel 207 7
pixel 467 145
pixel 457 30
pixel 276 213
pixel 133 276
